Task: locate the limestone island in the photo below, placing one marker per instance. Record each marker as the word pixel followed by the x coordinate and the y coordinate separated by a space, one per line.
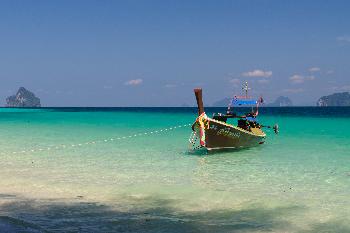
pixel 23 98
pixel 336 99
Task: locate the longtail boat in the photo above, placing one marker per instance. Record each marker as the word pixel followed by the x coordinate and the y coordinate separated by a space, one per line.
pixel 217 133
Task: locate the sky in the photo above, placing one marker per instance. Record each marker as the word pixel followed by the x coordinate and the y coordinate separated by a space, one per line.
pixel 153 53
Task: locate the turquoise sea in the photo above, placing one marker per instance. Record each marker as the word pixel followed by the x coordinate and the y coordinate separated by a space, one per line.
pixel 77 170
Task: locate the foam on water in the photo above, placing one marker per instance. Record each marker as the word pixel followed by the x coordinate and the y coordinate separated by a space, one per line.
pixel 298 181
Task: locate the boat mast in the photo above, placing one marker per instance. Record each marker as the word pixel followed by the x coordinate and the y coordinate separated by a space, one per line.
pixel 246 88
pixel 198 94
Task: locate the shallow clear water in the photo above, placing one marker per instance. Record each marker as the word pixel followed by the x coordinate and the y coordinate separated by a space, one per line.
pixel 299 181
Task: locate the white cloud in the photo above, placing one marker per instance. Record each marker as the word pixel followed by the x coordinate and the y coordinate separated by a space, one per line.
pixel 341 88
pixel 293 91
pixel 314 69
pixel 310 78
pixel 343 39
pixel 235 81
pixel 263 81
pixel 134 82
pixel 170 85
pixel 257 73
pixel 297 79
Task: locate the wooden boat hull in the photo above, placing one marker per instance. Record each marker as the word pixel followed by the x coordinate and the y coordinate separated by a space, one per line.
pixel 220 135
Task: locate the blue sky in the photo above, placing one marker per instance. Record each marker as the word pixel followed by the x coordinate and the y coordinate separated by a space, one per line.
pixel 153 53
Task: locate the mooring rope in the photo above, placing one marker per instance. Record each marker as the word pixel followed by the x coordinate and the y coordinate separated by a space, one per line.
pixel 64 146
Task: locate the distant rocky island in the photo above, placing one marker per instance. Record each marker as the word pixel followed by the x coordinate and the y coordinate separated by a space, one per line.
pixel 281 101
pixel 336 99
pixel 23 98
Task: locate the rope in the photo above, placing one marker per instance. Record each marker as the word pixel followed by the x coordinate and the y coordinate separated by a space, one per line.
pixel 193 142
pixel 64 146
